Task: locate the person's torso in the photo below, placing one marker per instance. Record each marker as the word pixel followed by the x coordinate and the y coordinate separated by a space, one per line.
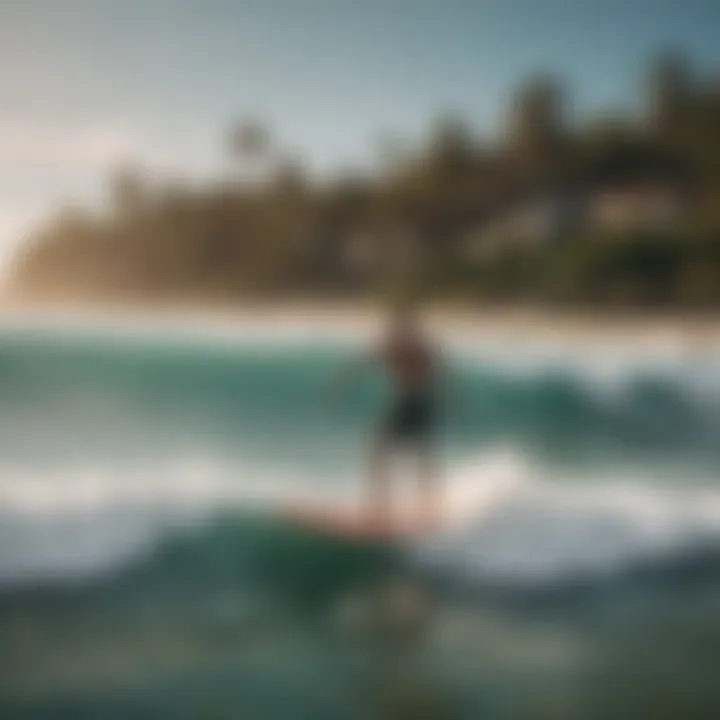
pixel 409 364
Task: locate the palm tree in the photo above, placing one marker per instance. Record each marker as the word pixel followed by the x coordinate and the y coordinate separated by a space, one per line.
pixel 250 146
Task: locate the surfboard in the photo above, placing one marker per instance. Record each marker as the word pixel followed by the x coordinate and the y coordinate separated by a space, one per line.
pixel 465 501
pixel 353 523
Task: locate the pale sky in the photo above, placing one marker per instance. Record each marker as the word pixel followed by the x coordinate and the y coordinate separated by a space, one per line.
pixel 85 84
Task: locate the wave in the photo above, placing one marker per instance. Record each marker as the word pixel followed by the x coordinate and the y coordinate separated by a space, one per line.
pixel 86 404
pixel 71 524
pixel 509 523
pixel 549 531
pixel 610 457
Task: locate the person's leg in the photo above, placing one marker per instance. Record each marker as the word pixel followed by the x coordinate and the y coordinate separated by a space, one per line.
pixel 430 497
pixel 379 490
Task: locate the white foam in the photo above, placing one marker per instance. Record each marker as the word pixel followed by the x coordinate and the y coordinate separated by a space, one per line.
pixel 536 528
pixel 509 518
pixel 75 522
pixel 186 484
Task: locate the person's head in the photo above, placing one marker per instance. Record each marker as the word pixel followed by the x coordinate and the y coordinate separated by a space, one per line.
pixel 404 320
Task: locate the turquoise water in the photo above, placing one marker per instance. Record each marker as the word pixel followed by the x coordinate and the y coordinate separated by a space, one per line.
pixel 146 572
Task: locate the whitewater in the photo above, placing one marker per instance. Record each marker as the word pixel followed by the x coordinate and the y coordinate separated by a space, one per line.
pixel 559 459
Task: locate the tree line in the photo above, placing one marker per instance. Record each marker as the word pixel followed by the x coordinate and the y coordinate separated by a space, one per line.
pixel 519 217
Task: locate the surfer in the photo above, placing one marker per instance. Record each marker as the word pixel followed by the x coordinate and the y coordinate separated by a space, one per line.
pixel 412 366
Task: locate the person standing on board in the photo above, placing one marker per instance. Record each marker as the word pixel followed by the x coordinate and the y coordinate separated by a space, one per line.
pixel 412 367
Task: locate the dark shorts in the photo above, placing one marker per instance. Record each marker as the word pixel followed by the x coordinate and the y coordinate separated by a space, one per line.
pixel 411 419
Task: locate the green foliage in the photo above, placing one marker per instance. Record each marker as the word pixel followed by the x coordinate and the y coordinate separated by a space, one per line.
pixel 425 227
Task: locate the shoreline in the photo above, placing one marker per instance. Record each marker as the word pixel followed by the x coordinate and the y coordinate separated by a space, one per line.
pixel 540 324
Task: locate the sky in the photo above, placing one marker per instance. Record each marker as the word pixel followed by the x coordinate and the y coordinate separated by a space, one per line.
pixel 87 85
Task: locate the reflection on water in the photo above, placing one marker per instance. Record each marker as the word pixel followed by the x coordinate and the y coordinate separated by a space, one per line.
pixel 394 623
pixel 307 626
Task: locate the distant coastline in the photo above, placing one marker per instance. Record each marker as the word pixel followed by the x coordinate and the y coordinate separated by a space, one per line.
pixel 616 210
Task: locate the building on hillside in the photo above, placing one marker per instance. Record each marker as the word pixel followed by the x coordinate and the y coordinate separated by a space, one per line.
pixel 528 222
pixel 636 207
pixel 612 206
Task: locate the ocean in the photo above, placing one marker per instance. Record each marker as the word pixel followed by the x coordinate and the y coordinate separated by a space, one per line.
pixel 147 569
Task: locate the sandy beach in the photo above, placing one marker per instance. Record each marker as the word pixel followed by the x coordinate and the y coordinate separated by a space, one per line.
pixel 662 331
